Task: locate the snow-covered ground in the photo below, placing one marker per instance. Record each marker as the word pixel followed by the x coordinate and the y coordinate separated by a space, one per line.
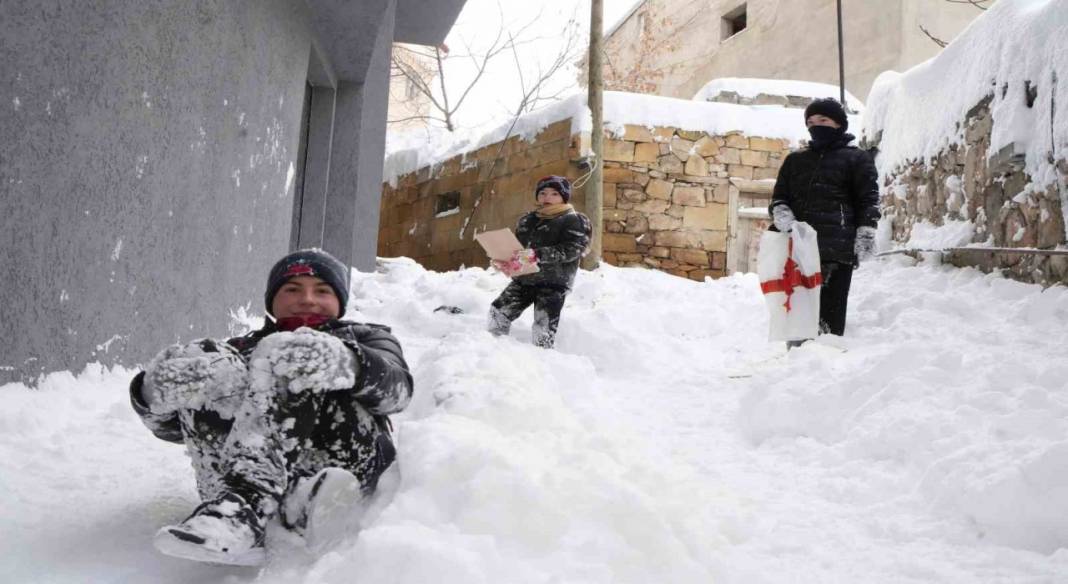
pixel 663 441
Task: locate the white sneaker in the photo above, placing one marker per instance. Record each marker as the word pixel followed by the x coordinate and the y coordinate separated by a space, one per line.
pixel 325 507
pixel 224 531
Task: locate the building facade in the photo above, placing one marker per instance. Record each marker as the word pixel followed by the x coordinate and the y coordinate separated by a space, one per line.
pixel 158 156
pixel 673 47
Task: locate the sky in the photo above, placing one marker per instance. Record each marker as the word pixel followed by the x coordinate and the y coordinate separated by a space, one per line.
pixel 495 97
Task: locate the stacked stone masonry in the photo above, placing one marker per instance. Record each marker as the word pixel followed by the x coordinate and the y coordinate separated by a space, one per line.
pixel 666 196
pixel 966 182
pixel 667 193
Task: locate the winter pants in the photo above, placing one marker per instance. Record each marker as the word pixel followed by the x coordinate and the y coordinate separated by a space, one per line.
pixel 548 302
pixel 834 297
pixel 277 438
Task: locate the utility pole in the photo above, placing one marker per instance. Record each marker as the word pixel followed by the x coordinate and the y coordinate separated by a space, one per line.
pixel 595 185
pixel 841 58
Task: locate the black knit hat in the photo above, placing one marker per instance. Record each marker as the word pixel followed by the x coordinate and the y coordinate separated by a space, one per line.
pixel 561 184
pixel 309 262
pixel 829 107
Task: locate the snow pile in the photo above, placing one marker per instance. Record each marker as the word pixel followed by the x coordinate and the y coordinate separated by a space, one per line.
pixel 1015 47
pixel 416 149
pixel 977 415
pixel 664 440
pixel 952 233
pixel 752 87
pixel 409 151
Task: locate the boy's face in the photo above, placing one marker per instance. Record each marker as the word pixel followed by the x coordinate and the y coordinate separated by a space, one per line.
pixel 305 296
pixel 821 120
pixel 549 196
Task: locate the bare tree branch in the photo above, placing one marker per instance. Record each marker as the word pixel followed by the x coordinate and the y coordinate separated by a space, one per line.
pixel 977 3
pixel 446 100
pixel 937 40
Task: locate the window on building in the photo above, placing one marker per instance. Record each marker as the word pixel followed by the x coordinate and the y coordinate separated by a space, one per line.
pixel 447 204
pixel 733 22
pixel 411 89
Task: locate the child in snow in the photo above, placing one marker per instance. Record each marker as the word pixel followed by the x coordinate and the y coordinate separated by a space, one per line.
pixel 833 187
pixel 555 237
pixel 287 421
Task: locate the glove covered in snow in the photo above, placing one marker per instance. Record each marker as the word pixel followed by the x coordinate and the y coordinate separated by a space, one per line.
pixel 306 360
pixel 783 218
pixel 864 247
pixel 202 374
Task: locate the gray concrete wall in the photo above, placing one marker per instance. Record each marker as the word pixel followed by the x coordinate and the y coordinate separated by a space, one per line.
pixel 145 171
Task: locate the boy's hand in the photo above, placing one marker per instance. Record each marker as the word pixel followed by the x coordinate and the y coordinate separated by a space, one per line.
pixel 864 247
pixel 201 373
pixel 520 259
pixel 783 218
pixel 306 360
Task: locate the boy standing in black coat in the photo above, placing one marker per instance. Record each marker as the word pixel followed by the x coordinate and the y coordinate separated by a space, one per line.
pixel 287 421
pixel 833 187
pixel 555 237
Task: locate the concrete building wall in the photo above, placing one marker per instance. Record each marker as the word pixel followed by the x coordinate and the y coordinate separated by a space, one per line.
pixel 146 180
pixel 674 47
pixel 152 152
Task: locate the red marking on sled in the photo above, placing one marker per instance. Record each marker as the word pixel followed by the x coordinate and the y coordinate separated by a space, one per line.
pixel 791 278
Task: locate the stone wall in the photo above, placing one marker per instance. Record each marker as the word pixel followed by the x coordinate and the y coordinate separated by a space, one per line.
pixel 968 183
pixel 667 196
pixel 493 187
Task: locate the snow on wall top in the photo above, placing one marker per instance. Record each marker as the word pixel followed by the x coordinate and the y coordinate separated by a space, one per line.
pixel 752 87
pixel 767 121
pixel 1014 45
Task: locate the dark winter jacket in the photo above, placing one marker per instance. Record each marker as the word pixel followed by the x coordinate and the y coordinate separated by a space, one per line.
pixel 559 244
pixel 383 386
pixel 833 189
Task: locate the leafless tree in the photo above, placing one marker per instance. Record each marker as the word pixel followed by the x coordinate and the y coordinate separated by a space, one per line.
pixel 977 3
pixel 430 83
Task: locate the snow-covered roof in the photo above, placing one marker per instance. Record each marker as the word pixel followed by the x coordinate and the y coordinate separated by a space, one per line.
pixel 752 87
pixel 767 121
pixel 1013 46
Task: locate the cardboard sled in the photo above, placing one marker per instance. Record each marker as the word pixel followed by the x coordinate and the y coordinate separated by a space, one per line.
pixel 500 244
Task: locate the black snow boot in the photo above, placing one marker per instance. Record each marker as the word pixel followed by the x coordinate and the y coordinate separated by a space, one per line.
pixel 224 531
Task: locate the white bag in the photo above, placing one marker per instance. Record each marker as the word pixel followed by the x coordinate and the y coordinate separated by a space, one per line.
pixel 789 268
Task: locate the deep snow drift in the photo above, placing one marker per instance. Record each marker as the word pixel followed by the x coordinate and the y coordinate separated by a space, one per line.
pixel 663 441
pixel 1016 54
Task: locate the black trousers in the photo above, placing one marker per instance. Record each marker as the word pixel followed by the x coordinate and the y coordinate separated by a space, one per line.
pixel 548 303
pixel 278 438
pixel 834 296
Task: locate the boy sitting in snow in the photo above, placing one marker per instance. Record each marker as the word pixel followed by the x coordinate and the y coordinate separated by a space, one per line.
pixel 287 421
pixel 555 237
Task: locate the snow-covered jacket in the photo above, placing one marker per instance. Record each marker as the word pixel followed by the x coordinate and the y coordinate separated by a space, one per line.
pixel 833 189
pixel 559 244
pixel 383 385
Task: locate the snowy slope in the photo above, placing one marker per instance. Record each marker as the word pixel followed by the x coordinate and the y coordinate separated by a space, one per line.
pixel 664 441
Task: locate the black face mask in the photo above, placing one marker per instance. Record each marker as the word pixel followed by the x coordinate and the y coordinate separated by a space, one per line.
pixel 823 135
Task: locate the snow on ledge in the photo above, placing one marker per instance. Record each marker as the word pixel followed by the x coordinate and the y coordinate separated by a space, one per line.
pixel 752 87
pixel 1014 45
pixel 766 121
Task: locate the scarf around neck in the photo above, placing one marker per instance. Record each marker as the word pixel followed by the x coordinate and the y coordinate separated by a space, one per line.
pixel 550 211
